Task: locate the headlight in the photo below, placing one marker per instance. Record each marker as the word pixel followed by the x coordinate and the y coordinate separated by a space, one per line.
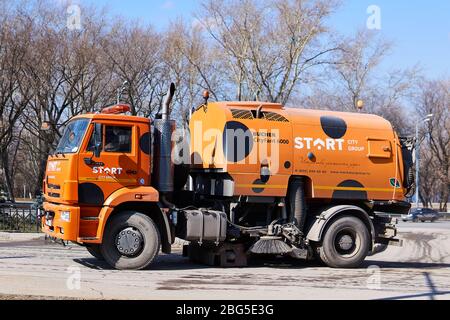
pixel 65 216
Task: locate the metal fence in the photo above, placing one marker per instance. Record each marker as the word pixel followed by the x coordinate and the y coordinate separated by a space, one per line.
pixel 19 218
pixel 24 217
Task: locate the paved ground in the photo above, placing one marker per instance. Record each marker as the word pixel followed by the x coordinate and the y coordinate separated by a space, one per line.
pixel 420 270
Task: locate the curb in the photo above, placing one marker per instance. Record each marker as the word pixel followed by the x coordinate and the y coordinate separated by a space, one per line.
pixel 6 236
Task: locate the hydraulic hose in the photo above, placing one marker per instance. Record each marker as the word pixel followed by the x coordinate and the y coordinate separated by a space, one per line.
pixel 166 202
pixel 297 203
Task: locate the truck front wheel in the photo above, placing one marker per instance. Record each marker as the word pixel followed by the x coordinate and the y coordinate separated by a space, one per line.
pixel 131 241
pixel 345 243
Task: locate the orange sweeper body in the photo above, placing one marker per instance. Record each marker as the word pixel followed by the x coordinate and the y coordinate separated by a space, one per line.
pixel 255 178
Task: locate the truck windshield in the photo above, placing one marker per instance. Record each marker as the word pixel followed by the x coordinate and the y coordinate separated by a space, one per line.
pixel 72 137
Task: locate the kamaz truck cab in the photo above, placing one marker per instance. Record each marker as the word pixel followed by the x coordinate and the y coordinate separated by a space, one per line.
pixel 259 179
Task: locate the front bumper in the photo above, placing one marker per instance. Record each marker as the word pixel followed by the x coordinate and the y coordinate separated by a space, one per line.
pixel 61 221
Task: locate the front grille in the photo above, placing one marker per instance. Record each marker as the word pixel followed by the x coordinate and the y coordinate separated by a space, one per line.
pixel 49 215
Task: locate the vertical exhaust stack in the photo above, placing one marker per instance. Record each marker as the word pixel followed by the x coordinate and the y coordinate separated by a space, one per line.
pixel 167 102
pixel 163 167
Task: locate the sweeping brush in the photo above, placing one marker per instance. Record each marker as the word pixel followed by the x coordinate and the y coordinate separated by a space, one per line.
pixel 270 245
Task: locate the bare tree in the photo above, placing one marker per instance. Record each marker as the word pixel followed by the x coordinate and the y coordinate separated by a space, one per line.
pixel 67 75
pixel 435 99
pixel 14 94
pixel 134 56
pixel 429 189
pixel 354 75
pixel 354 64
pixel 190 62
pixel 391 95
pixel 273 50
pixel 268 46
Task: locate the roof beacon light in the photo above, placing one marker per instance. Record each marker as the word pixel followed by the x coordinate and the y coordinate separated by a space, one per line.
pixel 117 109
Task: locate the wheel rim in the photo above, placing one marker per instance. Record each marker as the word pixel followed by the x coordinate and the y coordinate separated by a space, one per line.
pixel 129 242
pixel 347 243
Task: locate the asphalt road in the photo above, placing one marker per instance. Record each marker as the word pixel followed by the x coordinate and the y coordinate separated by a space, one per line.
pixel 438 225
pixel 418 270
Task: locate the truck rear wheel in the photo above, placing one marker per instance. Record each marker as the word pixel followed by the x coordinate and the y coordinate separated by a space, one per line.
pixel 94 250
pixel 131 241
pixel 345 243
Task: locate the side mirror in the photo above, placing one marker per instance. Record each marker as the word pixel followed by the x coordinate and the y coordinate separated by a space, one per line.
pixel 97 139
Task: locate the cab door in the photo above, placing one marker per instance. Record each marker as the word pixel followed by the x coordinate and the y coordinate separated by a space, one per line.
pixel 117 166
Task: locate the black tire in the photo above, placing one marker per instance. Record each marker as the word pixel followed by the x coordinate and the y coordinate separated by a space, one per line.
pixel 94 250
pixel 345 227
pixel 139 224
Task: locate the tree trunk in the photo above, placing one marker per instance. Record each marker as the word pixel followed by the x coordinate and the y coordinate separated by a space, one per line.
pixel 42 167
pixel 7 175
pixel 445 197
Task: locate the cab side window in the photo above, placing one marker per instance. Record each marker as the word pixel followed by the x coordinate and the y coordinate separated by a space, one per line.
pixel 117 139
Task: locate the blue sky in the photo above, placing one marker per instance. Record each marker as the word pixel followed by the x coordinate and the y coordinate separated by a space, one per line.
pixel 419 29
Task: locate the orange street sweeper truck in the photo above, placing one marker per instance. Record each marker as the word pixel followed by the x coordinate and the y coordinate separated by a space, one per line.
pixel 255 178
